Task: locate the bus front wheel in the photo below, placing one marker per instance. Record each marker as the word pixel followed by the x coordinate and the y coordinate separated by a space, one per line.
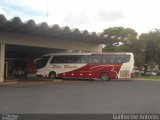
pixel 105 77
pixel 52 75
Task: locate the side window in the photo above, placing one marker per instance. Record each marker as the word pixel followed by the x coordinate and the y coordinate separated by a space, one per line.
pixel 81 59
pixel 108 59
pixel 70 59
pixel 122 58
pixel 58 59
pixel 95 59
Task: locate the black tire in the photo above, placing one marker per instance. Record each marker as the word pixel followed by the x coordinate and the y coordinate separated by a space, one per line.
pixel 105 77
pixel 52 75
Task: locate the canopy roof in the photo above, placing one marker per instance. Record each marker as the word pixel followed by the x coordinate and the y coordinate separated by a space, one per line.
pixel 16 26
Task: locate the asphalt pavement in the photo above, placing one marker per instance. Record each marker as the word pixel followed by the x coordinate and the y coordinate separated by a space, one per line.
pixel 78 97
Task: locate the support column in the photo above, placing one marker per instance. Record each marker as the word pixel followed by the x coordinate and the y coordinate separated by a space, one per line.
pixel 2 60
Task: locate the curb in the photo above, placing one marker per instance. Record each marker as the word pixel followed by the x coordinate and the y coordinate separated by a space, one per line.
pixel 147 79
pixel 29 82
pixel 8 83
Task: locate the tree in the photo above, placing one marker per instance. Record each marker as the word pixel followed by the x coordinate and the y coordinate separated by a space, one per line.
pixel 152 46
pixel 145 48
pixel 127 43
pixel 123 35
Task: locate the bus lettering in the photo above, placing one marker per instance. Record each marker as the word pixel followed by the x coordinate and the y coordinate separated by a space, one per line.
pixel 70 67
pixel 56 66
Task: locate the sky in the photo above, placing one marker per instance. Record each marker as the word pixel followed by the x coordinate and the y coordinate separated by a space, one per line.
pixel 92 15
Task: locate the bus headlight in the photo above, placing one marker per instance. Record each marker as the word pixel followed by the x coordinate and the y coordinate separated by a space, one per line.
pixel 38 73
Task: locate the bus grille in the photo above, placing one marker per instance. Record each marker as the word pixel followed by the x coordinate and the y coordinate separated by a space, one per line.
pixel 124 74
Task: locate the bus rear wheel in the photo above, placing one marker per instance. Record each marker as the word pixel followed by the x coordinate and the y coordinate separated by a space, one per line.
pixel 52 75
pixel 105 77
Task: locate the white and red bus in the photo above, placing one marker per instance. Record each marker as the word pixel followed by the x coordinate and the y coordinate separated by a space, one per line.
pixel 104 66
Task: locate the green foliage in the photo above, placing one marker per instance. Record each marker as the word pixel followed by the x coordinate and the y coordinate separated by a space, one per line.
pixel 124 33
pixel 151 47
pixel 146 48
pixel 129 41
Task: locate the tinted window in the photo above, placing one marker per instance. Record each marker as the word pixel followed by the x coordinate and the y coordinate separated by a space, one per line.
pixel 95 59
pixel 108 59
pixel 58 59
pixel 81 59
pixel 122 58
pixel 69 59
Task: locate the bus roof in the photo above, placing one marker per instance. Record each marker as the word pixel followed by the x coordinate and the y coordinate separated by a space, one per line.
pixel 87 53
pixel 68 53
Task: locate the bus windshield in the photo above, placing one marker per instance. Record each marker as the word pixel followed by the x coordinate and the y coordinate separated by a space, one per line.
pixel 41 62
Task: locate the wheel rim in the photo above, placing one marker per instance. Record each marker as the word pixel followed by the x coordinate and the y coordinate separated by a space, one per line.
pixel 104 77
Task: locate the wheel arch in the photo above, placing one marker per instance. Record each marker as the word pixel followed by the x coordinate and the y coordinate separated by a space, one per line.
pixel 51 72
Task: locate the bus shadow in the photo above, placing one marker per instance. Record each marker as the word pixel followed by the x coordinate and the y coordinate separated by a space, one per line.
pixel 77 79
pixel 97 80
